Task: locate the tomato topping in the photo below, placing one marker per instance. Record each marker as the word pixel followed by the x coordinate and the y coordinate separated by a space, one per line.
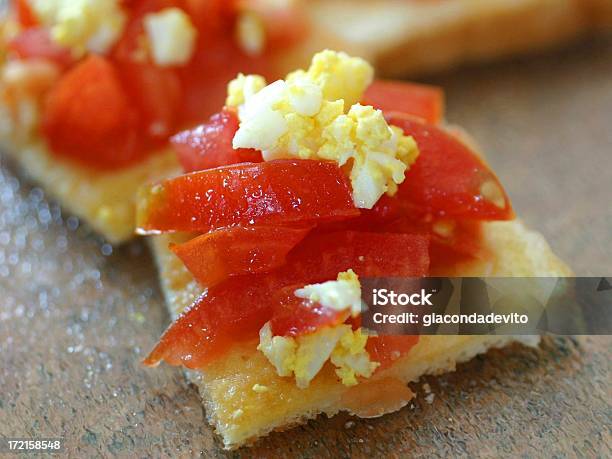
pixel 88 117
pixel 282 192
pixel 449 180
pixel 236 309
pixel 25 15
pixel 338 251
pixel 157 94
pixel 387 349
pixel 420 100
pixel 293 316
pixel 213 65
pixel 210 145
pixel 215 256
pixel 162 100
pixel 36 43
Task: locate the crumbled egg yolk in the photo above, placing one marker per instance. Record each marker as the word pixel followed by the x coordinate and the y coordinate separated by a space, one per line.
pixel 82 25
pixel 243 87
pixel 305 355
pixel 315 114
pixel 344 347
pixel 172 36
pixel 343 293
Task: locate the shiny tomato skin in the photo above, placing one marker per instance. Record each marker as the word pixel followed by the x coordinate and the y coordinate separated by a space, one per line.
pixel 88 117
pixel 448 180
pixel 388 348
pixel 423 101
pixel 36 43
pixel 210 145
pixel 293 316
pixel 235 310
pixel 282 192
pixel 215 256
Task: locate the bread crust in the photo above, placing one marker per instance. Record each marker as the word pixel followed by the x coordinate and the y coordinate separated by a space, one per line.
pixel 241 415
pixel 408 38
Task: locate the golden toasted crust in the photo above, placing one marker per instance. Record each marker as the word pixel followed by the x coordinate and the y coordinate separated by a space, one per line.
pixel 240 414
pixel 404 38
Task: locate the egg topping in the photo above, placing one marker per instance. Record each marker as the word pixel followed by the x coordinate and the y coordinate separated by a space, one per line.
pixel 305 355
pixel 82 25
pixel 315 114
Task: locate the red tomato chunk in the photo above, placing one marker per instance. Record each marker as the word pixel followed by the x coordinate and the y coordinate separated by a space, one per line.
pixel 210 145
pixel 426 102
pixel 215 256
pixel 448 179
pixel 283 192
pixel 236 309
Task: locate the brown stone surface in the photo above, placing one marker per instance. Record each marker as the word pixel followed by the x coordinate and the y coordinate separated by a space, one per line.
pixel 76 319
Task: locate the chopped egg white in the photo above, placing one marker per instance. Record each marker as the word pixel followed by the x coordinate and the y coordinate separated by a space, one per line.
pixel 343 293
pixel 344 347
pixel 172 36
pixel 304 356
pixel 315 114
pixel 82 25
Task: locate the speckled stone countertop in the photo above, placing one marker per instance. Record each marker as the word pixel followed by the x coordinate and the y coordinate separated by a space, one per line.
pixel 76 316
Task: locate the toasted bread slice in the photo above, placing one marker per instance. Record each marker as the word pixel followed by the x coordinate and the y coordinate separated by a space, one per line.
pixel 240 415
pixel 105 200
pixel 400 37
pixel 406 38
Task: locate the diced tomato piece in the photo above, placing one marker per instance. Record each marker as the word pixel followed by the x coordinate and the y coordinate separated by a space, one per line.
pixel 157 93
pixel 282 192
pixel 387 349
pixel 211 17
pixel 215 62
pixel 216 59
pixel 210 145
pixel 448 180
pixel 293 316
pixel 25 15
pixel 463 236
pixel 130 46
pixel 235 310
pixel 369 254
pixel 36 43
pixel 424 101
pixel 215 256
pixel 88 117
